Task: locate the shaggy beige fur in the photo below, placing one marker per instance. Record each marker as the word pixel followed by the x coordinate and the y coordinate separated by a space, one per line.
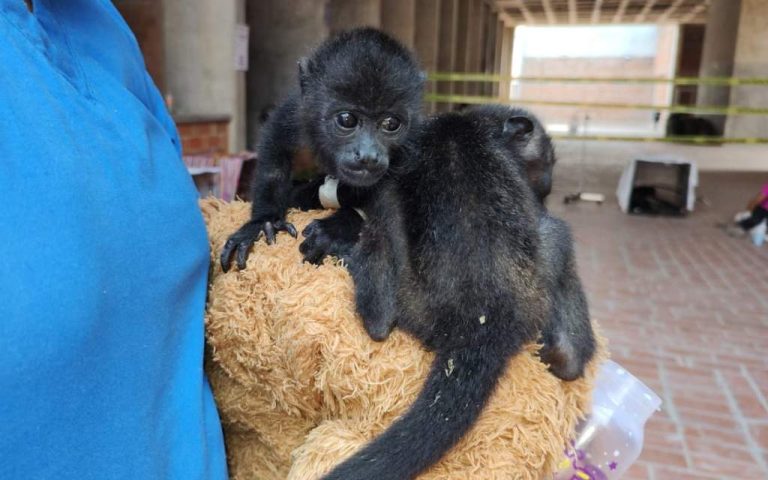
pixel 300 386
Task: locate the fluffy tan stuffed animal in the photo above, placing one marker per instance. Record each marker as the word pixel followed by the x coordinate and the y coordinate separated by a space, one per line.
pixel 300 386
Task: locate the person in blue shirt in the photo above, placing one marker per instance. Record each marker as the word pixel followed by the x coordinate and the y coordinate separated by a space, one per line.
pixel 101 321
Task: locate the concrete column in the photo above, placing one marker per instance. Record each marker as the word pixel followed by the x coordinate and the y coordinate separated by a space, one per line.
pixel 505 66
pixel 489 48
pixel 398 18
pixel 690 48
pixel 281 33
pixel 199 60
pixel 426 39
pixel 474 53
pixel 344 14
pixel 717 59
pixel 446 55
pixel 461 39
pixel 751 61
pixel 667 45
pixel 497 51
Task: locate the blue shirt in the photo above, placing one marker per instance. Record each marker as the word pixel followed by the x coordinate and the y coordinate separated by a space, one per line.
pixel 103 260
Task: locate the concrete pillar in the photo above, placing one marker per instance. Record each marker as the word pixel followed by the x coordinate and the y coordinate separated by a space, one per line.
pixel 489 48
pixel 281 33
pixel 345 14
pixel 199 61
pixel 497 51
pixel 461 39
pixel 667 45
pixel 474 48
pixel 717 59
pixel 505 65
pixel 398 18
pixel 751 60
pixel 446 55
pixel 426 39
pixel 690 48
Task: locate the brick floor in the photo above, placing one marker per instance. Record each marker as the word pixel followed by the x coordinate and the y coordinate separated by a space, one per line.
pixel 685 309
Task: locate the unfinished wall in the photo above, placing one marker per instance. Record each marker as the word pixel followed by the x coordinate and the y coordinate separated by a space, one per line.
pixel 690 48
pixel 717 58
pixel 199 61
pixel 447 35
pixel 398 17
pixel 281 33
pixel 426 39
pixel 343 14
pixel 751 60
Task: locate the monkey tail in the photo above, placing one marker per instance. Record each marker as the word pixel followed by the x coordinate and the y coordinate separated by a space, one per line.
pixel 455 392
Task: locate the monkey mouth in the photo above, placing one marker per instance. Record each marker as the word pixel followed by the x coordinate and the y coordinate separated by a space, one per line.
pixel 364 177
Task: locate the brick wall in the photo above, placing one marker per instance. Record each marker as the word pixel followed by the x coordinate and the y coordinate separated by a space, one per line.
pixel 204 135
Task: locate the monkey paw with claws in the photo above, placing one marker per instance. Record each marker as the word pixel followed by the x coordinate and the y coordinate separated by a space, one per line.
pixel 242 240
pixel 334 236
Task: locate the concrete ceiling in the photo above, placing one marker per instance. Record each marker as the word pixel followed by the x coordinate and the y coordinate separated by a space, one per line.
pixel 560 12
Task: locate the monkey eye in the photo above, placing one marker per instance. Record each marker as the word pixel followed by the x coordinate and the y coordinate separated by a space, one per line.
pixel 346 120
pixel 390 124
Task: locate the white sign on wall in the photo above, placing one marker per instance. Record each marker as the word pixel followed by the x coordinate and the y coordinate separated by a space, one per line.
pixel 241 47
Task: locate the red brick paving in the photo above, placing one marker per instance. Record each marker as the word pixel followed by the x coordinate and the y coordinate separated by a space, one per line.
pixel 685 309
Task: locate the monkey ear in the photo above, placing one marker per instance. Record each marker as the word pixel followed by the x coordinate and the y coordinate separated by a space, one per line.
pixel 303 73
pixel 518 126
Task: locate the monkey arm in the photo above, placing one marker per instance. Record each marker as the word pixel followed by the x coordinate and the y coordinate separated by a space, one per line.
pixel 271 189
pixel 379 263
pixel 568 337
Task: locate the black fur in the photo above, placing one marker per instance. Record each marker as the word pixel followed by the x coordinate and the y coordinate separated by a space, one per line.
pixel 450 255
pixel 526 141
pixel 361 72
pixel 567 335
pixel 568 338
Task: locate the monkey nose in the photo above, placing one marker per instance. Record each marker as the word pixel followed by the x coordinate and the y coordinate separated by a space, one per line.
pixel 366 161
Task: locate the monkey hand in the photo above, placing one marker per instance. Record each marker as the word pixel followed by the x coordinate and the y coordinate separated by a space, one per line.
pixel 566 358
pixel 334 235
pixel 242 240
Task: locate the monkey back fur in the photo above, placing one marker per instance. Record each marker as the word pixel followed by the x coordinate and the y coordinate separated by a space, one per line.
pixel 300 386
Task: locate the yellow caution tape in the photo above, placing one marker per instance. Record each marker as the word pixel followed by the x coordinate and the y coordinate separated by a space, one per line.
pixel 484 77
pixel 472 99
pixel 701 140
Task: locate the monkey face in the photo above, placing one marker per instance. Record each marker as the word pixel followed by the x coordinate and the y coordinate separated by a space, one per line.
pixel 357 144
pixel 360 94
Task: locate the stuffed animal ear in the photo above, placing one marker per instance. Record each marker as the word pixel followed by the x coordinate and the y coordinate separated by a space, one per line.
pixel 518 126
pixel 303 73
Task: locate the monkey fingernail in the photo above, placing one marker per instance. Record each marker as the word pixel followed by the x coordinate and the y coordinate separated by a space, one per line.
pixel 269 233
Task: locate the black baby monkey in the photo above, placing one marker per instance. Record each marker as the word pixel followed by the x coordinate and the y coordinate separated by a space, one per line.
pixel 448 254
pixel 567 335
pixel 360 94
pixel 459 252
